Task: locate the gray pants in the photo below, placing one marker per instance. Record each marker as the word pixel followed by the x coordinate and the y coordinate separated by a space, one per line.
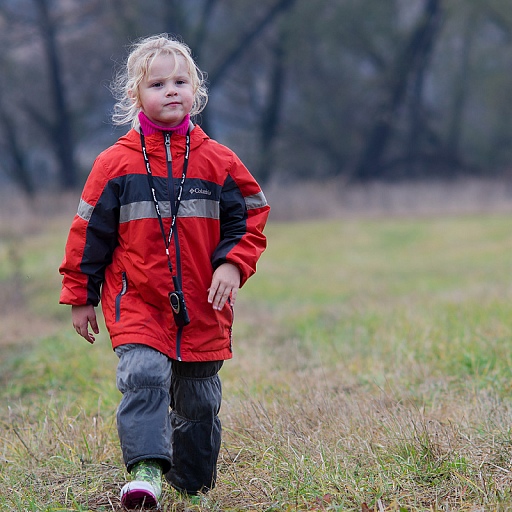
pixel 169 412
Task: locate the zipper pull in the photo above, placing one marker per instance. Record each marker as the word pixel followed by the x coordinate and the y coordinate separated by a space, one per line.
pixel 168 146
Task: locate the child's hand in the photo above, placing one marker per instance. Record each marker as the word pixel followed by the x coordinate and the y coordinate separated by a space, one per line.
pixel 82 316
pixel 225 282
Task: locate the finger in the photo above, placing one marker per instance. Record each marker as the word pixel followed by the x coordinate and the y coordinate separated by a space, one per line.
pixel 211 294
pixel 234 293
pixel 82 331
pixel 94 325
pixel 221 298
pixel 87 335
pixel 213 290
pixel 218 297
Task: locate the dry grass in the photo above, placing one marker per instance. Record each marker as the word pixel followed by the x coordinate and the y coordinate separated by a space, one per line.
pixel 372 368
pixel 333 198
pixel 348 448
pixel 305 435
pixel 310 447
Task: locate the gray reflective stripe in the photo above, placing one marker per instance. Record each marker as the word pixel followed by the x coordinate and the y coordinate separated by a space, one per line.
pixel 192 208
pixel 256 201
pixel 142 210
pixel 205 208
pixel 84 210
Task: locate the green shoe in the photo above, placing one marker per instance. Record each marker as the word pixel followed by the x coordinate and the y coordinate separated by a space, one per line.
pixel 145 488
pixel 149 471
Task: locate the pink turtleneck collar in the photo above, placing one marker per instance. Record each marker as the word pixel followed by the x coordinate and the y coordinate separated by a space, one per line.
pixel 148 127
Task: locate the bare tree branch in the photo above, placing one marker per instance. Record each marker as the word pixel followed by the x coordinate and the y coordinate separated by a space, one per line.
pixel 245 41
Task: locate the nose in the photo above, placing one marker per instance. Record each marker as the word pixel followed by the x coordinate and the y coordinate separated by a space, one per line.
pixel 170 90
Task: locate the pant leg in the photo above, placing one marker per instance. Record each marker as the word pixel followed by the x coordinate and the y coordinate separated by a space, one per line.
pixel 144 377
pixel 196 396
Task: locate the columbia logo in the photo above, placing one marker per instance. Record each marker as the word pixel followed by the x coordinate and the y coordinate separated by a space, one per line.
pixel 203 191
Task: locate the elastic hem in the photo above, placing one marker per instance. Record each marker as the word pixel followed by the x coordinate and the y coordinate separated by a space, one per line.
pixel 184 492
pixel 164 462
pixel 181 377
pixel 136 388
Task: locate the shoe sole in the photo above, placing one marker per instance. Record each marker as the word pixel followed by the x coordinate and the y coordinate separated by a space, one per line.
pixel 138 494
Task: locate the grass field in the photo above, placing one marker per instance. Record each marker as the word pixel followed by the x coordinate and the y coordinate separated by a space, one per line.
pixel 372 371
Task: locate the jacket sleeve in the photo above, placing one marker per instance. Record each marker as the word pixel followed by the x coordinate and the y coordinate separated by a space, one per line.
pixel 243 214
pixel 91 240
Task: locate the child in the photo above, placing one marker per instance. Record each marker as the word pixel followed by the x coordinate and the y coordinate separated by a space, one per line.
pixel 169 226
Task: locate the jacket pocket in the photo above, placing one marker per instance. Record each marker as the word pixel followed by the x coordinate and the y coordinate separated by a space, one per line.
pixel 119 296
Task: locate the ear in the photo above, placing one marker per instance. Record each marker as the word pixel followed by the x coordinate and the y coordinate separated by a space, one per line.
pixel 133 97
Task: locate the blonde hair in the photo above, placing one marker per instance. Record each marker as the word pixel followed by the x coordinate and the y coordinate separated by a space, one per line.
pixel 125 86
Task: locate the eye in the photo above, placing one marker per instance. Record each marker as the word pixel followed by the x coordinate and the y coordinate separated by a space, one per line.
pixel 157 84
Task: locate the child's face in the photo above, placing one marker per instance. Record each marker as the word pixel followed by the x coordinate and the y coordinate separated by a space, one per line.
pixel 166 98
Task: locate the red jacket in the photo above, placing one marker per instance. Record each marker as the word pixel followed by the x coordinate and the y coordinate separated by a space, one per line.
pixel 116 251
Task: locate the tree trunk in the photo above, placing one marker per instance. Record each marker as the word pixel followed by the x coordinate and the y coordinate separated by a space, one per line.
pixel 412 58
pixel 19 172
pixel 461 87
pixel 247 39
pixel 271 114
pixel 61 136
pixel 233 55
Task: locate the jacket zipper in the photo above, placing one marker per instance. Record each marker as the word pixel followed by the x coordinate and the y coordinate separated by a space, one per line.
pixel 170 187
pixel 120 295
pixel 168 148
pixel 231 326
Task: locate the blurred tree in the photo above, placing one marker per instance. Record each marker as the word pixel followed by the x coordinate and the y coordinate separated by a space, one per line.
pixel 14 157
pixel 58 126
pixel 362 89
pixel 334 52
pixel 48 76
pixel 470 80
pixel 272 109
pixel 461 83
pixel 14 160
pixel 409 67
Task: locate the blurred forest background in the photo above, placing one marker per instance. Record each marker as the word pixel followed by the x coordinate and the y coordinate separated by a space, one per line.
pixel 356 90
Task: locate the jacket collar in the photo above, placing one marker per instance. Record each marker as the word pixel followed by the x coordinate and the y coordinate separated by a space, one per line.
pixel 154 142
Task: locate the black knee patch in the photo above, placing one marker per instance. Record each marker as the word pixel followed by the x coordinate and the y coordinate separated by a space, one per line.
pixel 196 399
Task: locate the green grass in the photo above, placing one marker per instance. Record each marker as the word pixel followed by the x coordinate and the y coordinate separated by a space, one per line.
pixel 372 370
